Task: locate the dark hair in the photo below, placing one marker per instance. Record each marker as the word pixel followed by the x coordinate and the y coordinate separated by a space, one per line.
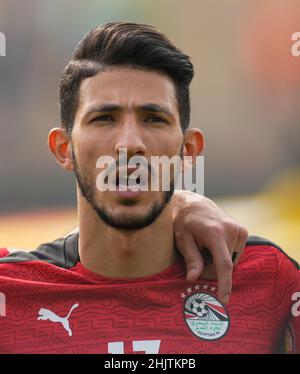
pixel 130 44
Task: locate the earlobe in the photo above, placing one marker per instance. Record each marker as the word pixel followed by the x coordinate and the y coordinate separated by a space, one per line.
pixel 59 145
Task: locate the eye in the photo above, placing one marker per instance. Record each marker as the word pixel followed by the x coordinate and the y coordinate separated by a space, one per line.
pixel 155 119
pixel 104 117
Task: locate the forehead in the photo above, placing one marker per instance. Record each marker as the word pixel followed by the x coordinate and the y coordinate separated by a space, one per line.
pixel 127 87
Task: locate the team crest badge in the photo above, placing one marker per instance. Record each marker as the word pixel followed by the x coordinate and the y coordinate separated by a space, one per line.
pixel 205 316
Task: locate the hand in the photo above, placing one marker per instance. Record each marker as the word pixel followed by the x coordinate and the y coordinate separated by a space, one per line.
pixel 200 226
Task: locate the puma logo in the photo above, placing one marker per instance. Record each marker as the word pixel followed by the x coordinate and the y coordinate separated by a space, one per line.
pixel 45 314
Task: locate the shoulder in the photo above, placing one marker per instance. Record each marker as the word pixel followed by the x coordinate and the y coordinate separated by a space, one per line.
pixel 62 252
pixel 267 262
pixel 4 252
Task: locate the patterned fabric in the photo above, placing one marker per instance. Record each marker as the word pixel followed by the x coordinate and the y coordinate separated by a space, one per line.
pixel 50 303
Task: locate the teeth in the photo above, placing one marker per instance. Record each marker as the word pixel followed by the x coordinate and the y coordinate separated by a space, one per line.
pixel 123 181
pixel 132 181
pixel 128 181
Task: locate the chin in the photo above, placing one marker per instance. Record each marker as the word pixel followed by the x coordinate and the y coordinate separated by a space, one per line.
pixel 126 217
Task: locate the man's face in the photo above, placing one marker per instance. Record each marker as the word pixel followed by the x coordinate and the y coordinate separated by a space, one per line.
pixel 125 108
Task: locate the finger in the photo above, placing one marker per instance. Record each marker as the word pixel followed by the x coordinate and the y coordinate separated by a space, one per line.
pixel 224 267
pixel 241 240
pixel 191 254
pixel 240 244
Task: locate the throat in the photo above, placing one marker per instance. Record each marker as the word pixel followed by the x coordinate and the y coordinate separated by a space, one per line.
pixel 127 256
pixel 123 253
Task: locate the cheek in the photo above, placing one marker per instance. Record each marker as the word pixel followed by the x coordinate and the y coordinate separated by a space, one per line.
pixel 173 144
pixel 167 141
pixel 88 149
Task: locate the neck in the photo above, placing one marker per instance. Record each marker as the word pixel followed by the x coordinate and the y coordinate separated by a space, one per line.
pixel 125 253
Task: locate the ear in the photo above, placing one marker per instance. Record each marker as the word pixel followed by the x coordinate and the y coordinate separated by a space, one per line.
pixel 193 143
pixel 60 145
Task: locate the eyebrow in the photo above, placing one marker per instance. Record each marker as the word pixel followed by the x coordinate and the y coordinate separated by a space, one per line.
pixel 148 107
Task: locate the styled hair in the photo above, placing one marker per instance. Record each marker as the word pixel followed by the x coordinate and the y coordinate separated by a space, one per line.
pixel 124 44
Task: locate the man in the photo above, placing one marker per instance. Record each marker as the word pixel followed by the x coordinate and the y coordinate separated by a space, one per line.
pixel 118 286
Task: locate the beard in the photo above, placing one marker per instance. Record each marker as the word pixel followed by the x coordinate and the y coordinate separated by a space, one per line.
pixel 87 187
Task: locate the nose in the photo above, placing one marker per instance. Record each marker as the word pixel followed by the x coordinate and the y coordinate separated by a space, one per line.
pixel 129 136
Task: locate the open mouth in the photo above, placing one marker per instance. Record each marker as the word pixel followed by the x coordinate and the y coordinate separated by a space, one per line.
pixel 128 181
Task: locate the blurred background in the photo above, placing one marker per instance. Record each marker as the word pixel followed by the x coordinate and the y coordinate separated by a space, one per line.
pixel 245 98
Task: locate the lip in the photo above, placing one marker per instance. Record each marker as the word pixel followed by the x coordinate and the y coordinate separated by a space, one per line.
pixel 128 193
pixel 128 170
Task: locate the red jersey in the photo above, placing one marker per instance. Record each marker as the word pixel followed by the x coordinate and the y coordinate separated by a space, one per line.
pixel 50 303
